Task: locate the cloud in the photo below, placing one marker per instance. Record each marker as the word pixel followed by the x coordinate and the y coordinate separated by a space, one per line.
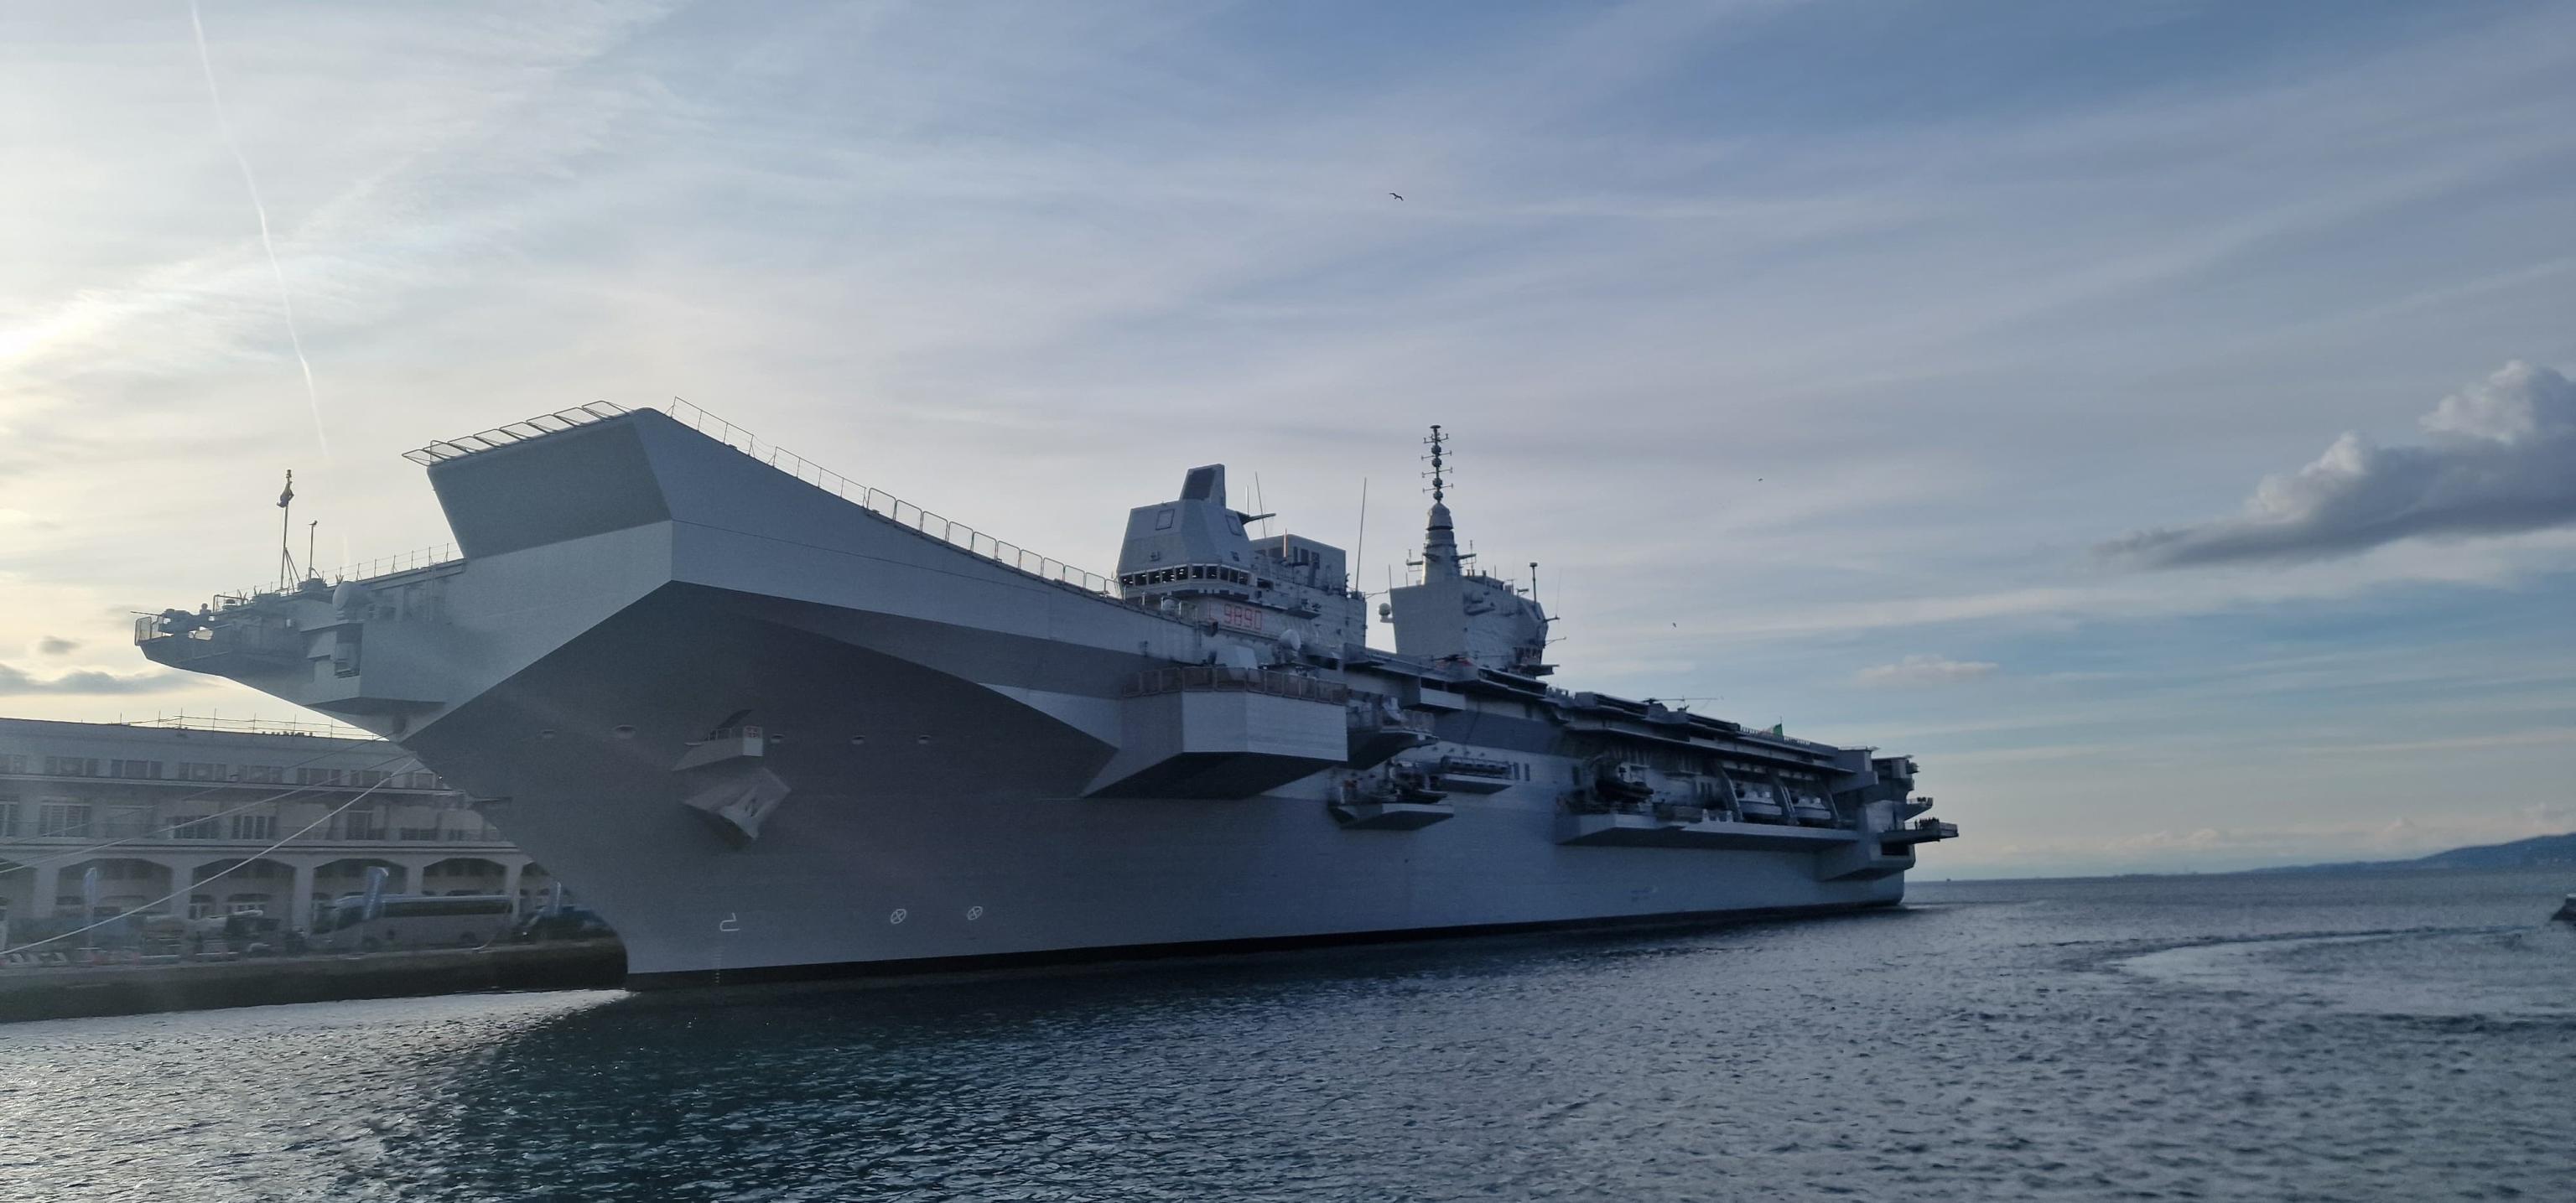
pixel 2499 458
pixel 15 682
pixel 56 645
pixel 902 239
pixel 1925 670
pixel 2495 739
pixel 2545 818
pixel 2200 839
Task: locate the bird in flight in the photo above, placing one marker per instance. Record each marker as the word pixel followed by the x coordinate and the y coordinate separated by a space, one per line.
pixel 1396 195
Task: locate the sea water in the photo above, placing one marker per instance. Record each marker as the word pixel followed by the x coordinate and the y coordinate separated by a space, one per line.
pixel 2389 1036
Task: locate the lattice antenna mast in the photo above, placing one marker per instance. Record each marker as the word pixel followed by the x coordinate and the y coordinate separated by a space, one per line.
pixel 1439 536
pixel 1439 485
pixel 1438 443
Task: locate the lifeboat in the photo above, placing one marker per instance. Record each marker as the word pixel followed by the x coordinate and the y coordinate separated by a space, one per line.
pixel 1474 774
pixel 1759 803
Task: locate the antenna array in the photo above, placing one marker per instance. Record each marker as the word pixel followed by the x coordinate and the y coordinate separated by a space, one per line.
pixel 1438 443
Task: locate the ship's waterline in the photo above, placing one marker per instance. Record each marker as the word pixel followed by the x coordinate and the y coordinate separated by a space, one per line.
pixel 769 729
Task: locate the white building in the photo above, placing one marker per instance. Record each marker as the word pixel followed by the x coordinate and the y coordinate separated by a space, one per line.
pixel 197 817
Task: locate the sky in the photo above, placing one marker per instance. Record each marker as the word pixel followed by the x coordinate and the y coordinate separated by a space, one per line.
pixel 2154 417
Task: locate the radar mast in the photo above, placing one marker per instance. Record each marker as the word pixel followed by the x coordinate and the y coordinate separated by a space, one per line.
pixel 1455 616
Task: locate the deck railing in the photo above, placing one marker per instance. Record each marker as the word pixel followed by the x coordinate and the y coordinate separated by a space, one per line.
pixel 184 721
pixel 516 432
pixel 368 570
pixel 876 501
pixel 426 557
pixel 887 505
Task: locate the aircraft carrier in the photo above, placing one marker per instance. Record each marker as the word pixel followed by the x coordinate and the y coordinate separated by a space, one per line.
pixel 772 723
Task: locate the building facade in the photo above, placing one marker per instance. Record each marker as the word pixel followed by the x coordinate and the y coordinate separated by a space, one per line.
pixel 197 817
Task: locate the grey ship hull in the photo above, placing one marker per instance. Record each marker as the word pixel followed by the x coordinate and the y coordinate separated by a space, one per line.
pixel 941 725
pixel 863 869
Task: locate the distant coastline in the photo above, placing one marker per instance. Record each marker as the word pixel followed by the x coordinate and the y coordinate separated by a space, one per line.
pixel 2538 852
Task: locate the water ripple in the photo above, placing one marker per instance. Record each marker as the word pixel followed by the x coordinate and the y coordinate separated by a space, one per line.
pixel 2219 1039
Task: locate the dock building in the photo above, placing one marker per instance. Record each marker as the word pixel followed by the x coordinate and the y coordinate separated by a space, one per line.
pixel 201 817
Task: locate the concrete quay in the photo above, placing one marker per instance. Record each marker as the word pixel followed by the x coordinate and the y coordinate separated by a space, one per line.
pixel 74 991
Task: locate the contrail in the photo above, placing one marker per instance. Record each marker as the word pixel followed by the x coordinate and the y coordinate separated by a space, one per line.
pixel 312 395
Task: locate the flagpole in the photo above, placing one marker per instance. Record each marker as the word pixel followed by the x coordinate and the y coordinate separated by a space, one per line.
pixel 286 534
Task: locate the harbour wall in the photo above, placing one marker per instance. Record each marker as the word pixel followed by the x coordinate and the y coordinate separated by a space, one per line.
pixel 69 992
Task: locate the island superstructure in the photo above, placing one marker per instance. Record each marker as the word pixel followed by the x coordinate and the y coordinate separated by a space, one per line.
pixel 774 724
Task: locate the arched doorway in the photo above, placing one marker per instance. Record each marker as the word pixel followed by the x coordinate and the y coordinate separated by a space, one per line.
pixel 17 890
pixel 239 887
pixel 124 884
pixel 464 875
pixel 341 878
